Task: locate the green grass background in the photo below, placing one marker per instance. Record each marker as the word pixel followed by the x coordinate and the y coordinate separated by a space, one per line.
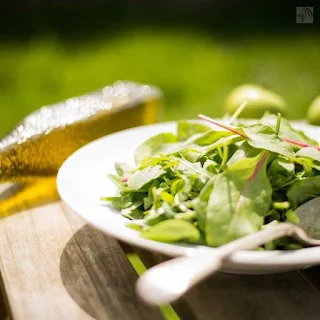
pixel 195 70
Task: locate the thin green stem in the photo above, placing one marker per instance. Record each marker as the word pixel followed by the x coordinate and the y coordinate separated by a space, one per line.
pixel 224 157
pixel 285 185
pixel 220 152
pixel 278 123
pixel 237 112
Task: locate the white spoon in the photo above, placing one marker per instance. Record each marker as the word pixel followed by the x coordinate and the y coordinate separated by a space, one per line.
pixel 168 281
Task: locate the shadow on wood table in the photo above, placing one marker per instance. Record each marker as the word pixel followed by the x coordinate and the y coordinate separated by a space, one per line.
pixel 98 277
pixel 287 296
pixel 95 273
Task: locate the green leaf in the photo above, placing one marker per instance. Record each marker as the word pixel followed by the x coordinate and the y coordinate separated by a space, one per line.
pixel 188 215
pixel 308 165
pixel 309 152
pixel 240 200
pixel 167 197
pixel 186 129
pixel 211 166
pixel 172 230
pixel 200 208
pixel 191 155
pixel 123 169
pixel 177 186
pixel 208 138
pixel 263 137
pixel 224 141
pixel 109 199
pixel 286 130
pixel 200 203
pixel 284 205
pixel 117 202
pixel 147 202
pixel 281 172
pixel 169 213
pixel 198 143
pixel 134 225
pixel 142 177
pixel 155 216
pixel 133 212
pixel 153 145
pixel 117 181
pixel 281 164
pixel 292 216
pixel 189 168
pixel 203 143
pixel 122 185
pixel 244 151
pixel 304 190
pixel 170 148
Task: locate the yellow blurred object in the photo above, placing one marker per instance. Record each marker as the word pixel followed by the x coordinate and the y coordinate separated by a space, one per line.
pixel 313 114
pixel 259 100
pixel 31 194
pixel 34 151
pixel 38 146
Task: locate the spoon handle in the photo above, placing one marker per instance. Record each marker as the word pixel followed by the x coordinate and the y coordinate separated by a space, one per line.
pixel 168 281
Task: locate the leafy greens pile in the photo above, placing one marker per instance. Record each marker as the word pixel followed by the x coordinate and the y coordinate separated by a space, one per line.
pixel 211 184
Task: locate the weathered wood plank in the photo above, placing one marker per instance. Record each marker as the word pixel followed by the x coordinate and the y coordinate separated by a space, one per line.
pixel 286 296
pixel 55 267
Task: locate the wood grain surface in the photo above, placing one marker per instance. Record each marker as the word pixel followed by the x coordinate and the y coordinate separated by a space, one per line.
pixel 53 266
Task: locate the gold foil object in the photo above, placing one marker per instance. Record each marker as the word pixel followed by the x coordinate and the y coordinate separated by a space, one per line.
pixel 41 142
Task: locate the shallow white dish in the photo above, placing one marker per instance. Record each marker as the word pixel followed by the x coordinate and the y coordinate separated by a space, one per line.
pixel 82 181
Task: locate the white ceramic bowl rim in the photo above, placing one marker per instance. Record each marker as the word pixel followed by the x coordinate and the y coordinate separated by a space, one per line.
pixel 75 186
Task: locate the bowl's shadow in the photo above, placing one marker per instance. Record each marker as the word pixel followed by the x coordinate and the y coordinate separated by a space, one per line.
pixel 100 279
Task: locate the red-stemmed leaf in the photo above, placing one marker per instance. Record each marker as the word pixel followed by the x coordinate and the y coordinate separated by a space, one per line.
pixel 240 199
pixel 218 124
pixel 300 144
pixel 250 180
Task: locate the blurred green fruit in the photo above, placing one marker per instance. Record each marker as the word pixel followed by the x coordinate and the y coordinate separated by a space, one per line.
pixel 259 101
pixel 313 114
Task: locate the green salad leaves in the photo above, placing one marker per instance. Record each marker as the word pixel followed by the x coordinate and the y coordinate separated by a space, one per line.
pixel 210 183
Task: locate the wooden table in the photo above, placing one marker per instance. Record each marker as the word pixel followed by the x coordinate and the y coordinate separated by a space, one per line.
pixel 55 266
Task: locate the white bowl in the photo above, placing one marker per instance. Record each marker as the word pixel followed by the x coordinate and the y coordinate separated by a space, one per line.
pixel 82 181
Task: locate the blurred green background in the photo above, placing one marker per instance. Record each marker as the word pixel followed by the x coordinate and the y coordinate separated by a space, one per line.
pixel 196 52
